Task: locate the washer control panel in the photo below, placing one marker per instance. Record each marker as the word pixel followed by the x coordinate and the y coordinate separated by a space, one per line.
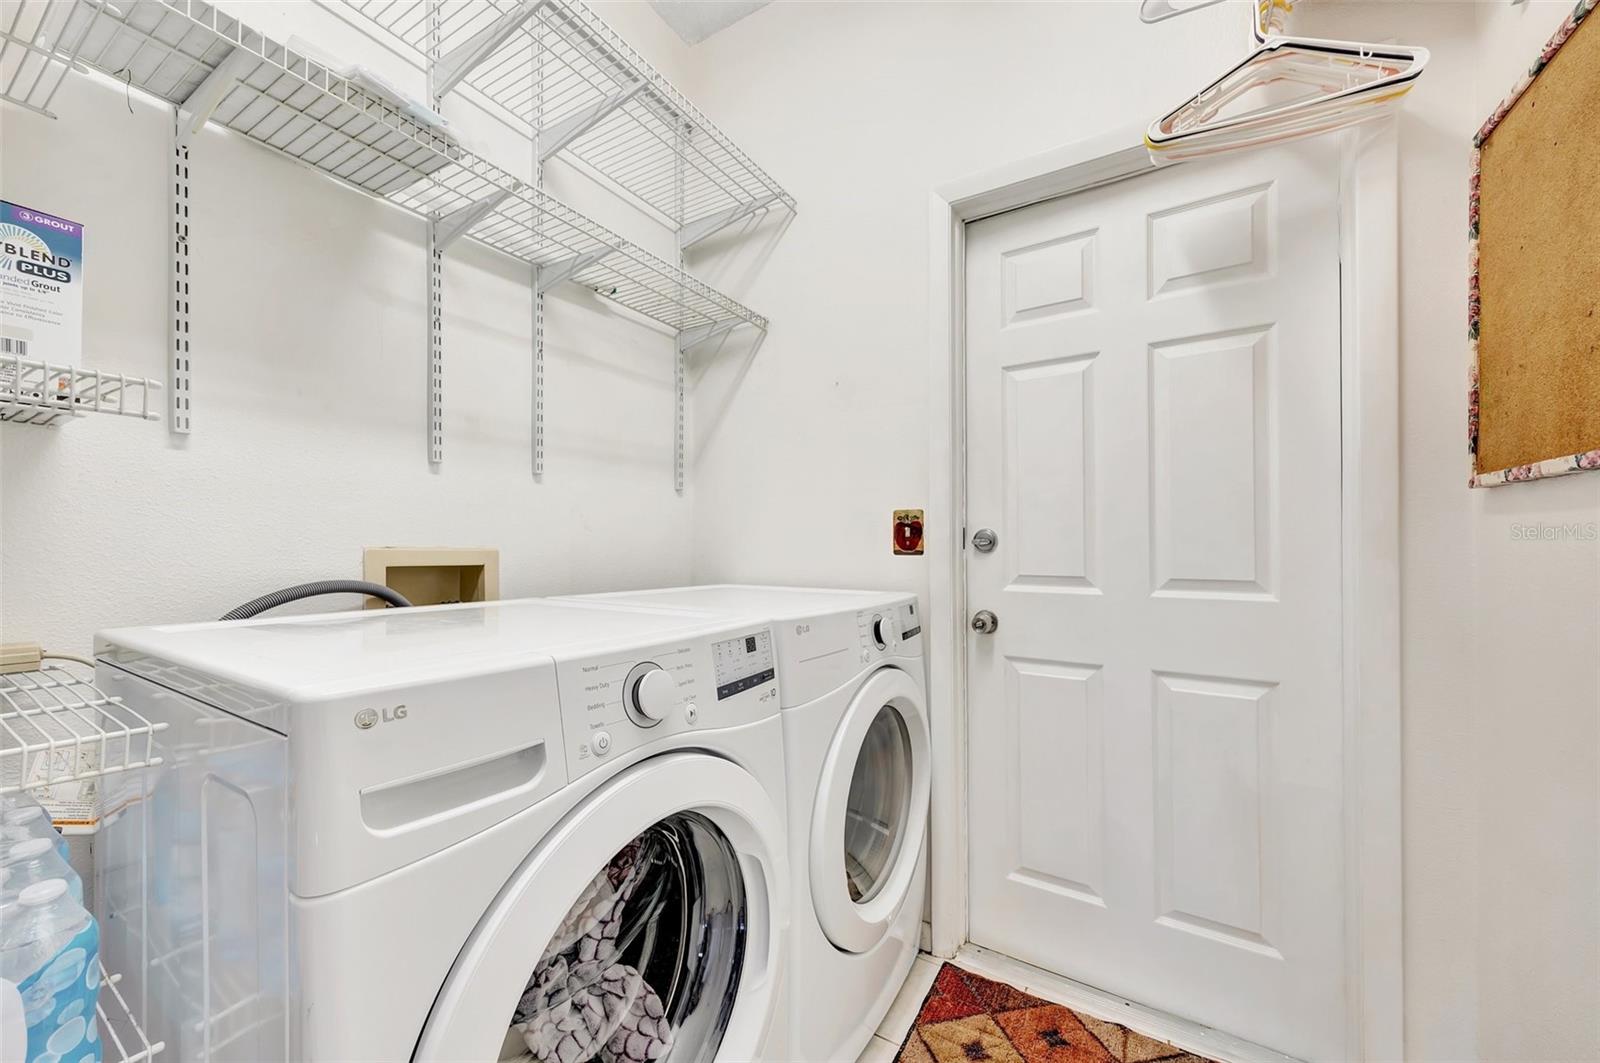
pixel 649 694
pixel 743 662
pixel 615 704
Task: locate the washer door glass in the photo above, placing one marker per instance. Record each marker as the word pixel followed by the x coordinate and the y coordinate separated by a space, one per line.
pixel 879 805
pixel 645 966
pixel 870 813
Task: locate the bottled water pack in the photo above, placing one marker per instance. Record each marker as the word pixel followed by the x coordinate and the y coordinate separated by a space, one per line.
pixel 50 950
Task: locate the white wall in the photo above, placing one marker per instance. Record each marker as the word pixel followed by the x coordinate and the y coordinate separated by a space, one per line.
pixel 1538 707
pixel 860 109
pixel 310 382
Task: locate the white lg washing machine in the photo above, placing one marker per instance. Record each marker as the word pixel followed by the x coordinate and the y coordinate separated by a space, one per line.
pixel 518 830
pixel 855 731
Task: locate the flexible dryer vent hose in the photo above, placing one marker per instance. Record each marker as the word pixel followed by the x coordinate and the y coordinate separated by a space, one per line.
pixel 312 590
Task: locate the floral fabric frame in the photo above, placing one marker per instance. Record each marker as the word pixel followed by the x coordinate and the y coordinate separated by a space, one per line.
pixel 1567 463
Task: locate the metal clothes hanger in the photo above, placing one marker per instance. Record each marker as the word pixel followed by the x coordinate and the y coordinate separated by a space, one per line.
pixel 1309 86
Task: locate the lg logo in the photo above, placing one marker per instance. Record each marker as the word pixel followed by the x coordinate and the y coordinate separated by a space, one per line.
pixel 367 719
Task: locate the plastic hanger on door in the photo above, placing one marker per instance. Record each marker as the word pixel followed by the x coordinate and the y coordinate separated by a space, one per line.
pixel 1309 86
pixel 1161 10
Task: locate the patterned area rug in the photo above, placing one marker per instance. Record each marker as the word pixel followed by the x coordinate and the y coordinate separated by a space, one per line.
pixel 966 1018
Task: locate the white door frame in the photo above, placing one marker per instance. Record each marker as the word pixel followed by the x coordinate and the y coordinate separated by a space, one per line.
pixel 1368 250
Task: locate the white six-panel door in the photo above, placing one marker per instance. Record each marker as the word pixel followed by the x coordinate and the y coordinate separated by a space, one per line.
pixel 1155 727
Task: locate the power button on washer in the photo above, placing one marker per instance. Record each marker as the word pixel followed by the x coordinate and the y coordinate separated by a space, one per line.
pixel 601 741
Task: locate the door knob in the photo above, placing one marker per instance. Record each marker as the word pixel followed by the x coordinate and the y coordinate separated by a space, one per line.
pixel 983 540
pixel 984 622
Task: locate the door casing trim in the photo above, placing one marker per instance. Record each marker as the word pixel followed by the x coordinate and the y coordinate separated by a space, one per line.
pixel 1370 537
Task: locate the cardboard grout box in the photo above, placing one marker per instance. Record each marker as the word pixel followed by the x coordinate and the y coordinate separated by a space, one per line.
pixel 41 285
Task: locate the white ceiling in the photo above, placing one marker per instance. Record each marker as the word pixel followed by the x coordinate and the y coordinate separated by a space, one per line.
pixel 695 20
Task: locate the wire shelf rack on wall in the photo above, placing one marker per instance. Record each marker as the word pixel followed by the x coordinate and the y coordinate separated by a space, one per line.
pixel 47 394
pixel 211 67
pixel 558 71
pixel 57 727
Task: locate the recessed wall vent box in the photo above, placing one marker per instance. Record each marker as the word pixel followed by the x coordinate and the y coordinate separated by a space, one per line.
pixel 434 575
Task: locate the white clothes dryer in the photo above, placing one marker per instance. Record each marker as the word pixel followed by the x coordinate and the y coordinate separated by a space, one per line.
pixel 517 830
pixel 855 731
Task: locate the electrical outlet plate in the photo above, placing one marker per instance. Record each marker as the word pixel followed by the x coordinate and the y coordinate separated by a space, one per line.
pixel 434 575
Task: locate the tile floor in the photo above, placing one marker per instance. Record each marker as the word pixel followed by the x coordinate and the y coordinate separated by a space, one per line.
pixel 897 1023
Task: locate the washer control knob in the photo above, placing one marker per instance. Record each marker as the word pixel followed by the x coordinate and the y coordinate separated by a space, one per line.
pixel 885 632
pixel 649 694
pixel 600 742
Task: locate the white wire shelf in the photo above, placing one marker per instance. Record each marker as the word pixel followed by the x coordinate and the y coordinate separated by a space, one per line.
pixel 557 70
pixel 58 727
pixel 212 66
pixel 30 73
pixel 121 1034
pixel 45 393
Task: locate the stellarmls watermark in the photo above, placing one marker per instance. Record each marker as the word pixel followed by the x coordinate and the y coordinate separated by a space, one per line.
pixel 1577 531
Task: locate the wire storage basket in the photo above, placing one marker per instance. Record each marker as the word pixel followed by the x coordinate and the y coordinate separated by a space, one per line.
pixel 47 394
pixel 83 752
pixel 59 733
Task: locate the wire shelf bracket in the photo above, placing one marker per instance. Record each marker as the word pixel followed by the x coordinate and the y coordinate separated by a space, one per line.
pixel 689 338
pixel 459 61
pixel 198 107
pixel 456 224
pixel 554 138
pixel 698 230
pixel 557 272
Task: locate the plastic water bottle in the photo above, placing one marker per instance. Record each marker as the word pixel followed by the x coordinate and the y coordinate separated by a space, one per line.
pixel 36 860
pixel 51 950
pixel 20 824
pixel 26 808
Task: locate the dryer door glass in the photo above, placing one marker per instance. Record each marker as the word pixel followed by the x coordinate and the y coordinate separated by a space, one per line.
pixel 879 805
pixel 645 965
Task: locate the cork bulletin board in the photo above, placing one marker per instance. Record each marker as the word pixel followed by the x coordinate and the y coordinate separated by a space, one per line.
pixel 1534 303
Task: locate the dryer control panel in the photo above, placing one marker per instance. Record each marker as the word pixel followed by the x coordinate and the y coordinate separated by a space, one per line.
pixel 886 632
pixel 821 653
pixel 612 705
